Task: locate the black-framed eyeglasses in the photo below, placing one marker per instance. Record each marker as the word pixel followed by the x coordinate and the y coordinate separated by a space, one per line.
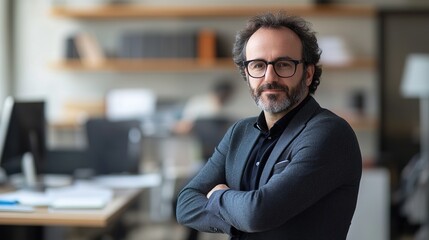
pixel 282 67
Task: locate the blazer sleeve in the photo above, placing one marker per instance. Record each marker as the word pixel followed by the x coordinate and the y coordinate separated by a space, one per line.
pixel 324 157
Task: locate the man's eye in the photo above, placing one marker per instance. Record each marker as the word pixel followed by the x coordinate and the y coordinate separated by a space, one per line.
pixel 257 65
pixel 284 64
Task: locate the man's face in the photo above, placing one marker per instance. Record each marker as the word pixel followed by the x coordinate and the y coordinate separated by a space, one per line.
pixel 274 94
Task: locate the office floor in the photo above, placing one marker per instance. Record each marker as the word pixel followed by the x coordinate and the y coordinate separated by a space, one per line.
pixel 167 231
pixel 157 231
pixel 144 227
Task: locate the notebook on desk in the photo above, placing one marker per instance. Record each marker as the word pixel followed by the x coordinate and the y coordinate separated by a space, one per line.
pixel 27 198
pixel 78 196
pixel 16 208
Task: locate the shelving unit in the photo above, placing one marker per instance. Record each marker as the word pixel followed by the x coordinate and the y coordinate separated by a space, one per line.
pixel 124 12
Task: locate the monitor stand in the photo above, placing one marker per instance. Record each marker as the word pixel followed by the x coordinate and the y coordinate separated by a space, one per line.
pixel 30 174
pixel 3 176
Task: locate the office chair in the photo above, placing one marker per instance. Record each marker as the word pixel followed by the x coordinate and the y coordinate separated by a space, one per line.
pixel 114 146
pixel 209 132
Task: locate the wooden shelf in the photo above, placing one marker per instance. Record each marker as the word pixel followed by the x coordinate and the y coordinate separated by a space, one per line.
pixel 139 11
pixel 146 65
pixel 182 65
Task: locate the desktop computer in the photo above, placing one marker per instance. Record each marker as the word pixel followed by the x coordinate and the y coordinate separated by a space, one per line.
pixel 22 140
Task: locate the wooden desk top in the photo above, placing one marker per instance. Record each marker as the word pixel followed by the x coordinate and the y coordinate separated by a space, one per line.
pixel 42 216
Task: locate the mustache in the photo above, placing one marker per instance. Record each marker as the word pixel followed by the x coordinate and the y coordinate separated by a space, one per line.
pixel 270 86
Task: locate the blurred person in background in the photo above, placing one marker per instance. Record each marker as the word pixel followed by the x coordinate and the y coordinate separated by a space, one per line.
pixel 208 105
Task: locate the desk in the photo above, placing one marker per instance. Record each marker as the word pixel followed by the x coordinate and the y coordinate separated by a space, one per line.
pixel 42 216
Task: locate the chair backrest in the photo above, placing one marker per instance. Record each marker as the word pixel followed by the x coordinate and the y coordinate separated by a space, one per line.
pixel 114 146
pixel 209 132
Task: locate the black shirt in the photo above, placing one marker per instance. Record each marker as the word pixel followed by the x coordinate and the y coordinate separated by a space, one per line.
pixel 264 145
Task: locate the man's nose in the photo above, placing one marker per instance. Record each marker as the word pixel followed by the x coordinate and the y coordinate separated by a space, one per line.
pixel 270 74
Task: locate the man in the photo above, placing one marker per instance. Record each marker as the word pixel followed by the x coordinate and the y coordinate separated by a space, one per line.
pixel 294 171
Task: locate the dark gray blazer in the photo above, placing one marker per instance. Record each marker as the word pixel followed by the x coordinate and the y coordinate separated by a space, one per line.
pixel 308 188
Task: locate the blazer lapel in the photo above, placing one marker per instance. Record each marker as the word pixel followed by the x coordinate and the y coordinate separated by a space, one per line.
pixel 291 131
pixel 250 136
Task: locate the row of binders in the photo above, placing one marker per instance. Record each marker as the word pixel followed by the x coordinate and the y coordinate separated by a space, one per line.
pixel 199 44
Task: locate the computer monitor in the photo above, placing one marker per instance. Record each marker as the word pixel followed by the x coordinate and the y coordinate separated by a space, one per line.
pixel 22 130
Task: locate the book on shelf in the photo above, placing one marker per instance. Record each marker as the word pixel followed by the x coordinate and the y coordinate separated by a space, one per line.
pixel 89 49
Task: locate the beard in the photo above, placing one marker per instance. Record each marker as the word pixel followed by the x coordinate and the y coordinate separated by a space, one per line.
pixel 276 103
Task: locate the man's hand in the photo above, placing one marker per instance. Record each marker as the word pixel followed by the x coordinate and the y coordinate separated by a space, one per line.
pixel 217 187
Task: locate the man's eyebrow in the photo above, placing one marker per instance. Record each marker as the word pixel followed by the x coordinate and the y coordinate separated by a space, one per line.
pixel 276 59
pixel 284 58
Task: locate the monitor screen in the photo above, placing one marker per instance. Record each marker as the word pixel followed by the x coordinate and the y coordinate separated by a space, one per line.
pixel 22 130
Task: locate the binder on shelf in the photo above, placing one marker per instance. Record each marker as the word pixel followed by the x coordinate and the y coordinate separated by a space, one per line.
pixel 183 45
pixel 206 46
pixel 71 51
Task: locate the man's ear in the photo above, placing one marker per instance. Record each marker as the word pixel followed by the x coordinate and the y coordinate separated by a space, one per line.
pixel 243 74
pixel 309 74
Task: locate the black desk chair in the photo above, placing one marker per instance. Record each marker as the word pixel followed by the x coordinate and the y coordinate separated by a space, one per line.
pixel 114 146
pixel 209 132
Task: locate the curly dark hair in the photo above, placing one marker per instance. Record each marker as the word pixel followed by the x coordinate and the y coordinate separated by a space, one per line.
pixel 310 49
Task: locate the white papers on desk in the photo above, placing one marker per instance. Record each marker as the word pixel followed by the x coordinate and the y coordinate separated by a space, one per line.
pixel 85 195
pixel 27 198
pixel 79 196
pixel 16 208
pixel 129 181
